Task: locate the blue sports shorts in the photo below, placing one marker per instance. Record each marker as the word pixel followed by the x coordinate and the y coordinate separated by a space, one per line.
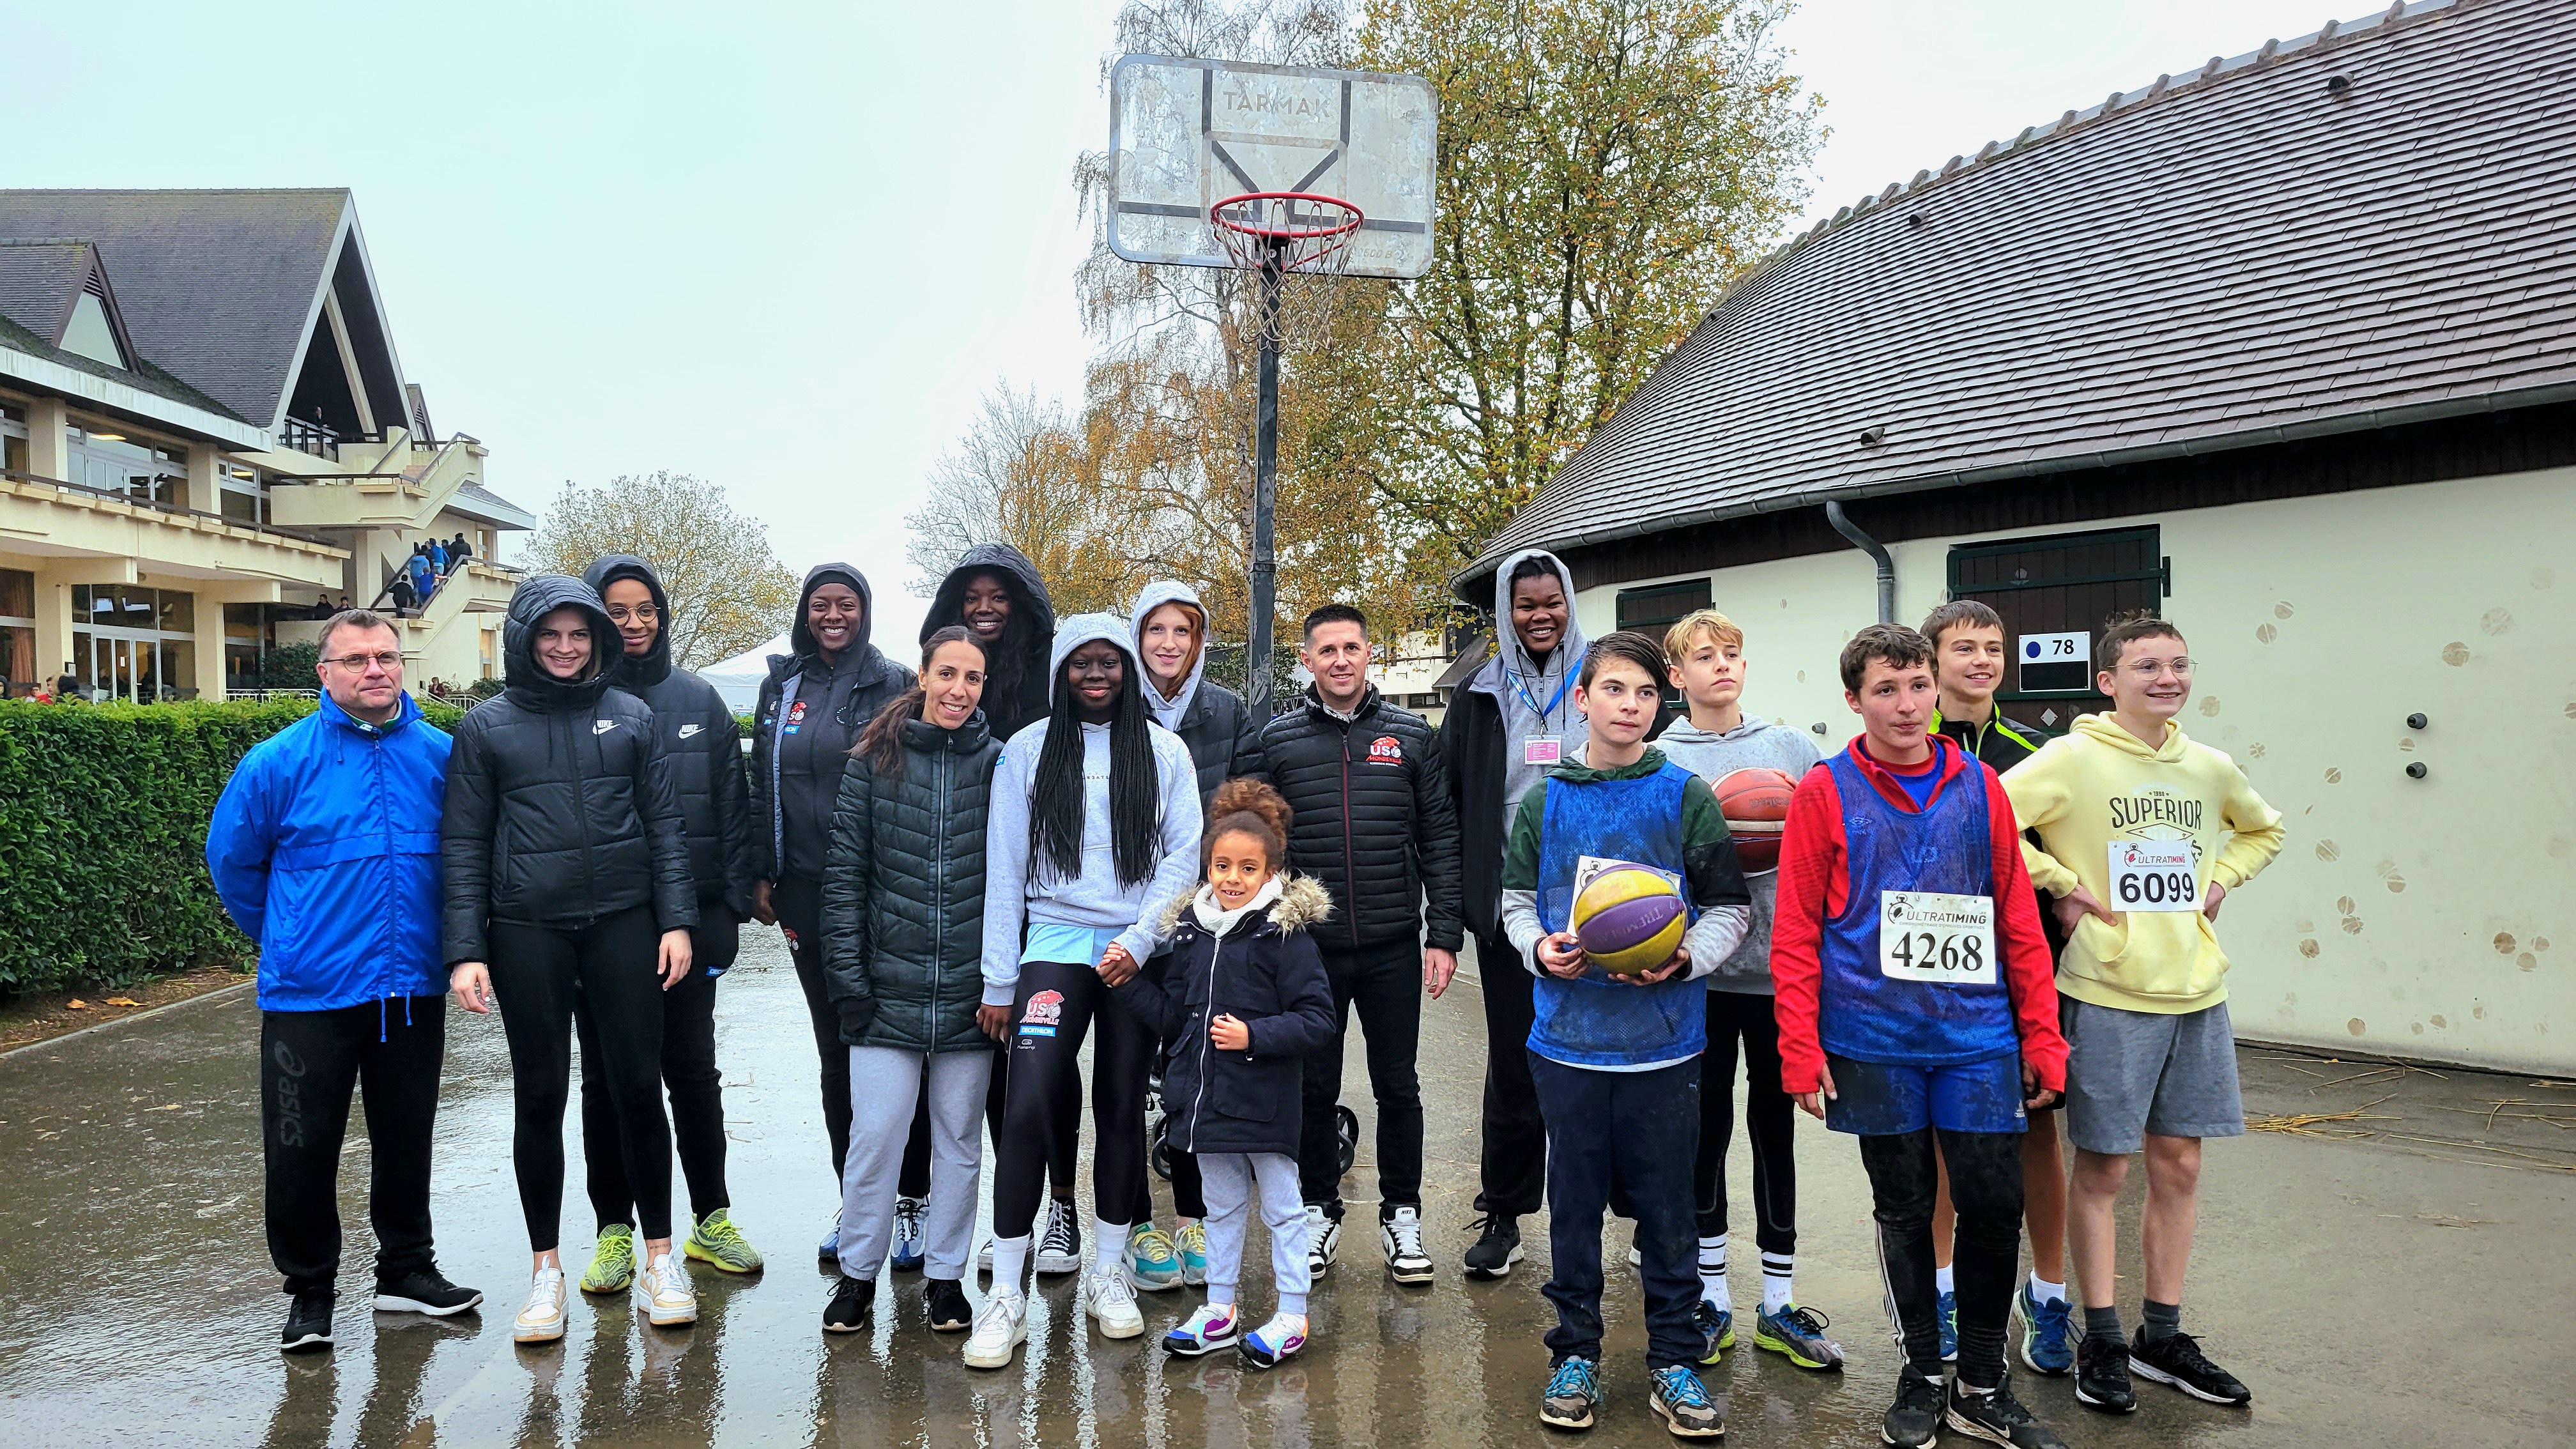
pixel 1876 1099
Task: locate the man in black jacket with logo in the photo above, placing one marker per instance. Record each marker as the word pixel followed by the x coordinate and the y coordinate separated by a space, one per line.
pixel 1374 821
pixel 705 748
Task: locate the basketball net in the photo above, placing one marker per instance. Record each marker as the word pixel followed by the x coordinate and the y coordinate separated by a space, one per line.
pixel 1301 232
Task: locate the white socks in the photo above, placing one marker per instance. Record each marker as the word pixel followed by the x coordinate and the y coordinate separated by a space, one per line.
pixel 1108 1245
pixel 1010 1263
pixel 1712 1272
pixel 2041 1290
pixel 1943 1280
pixel 1775 1281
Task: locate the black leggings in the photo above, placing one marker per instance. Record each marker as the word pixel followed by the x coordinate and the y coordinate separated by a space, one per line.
pixel 1985 1184
pixel 536 971
pixel 688 1072
pixel 1768 1121
pixel 1046 1099
pixel 799 904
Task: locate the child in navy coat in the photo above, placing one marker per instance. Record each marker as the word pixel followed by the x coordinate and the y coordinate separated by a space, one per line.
pixel 1243 999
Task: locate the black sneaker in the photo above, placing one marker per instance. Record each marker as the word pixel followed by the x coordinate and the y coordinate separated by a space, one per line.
pixel 1498 1246
pixel 2102 1375
pixel 1998 1418
pixel 2176 1359
pixel 308 1322
pixel 423 1291
pixel 949 1310
pixel 852 1298
pixel 1914 1420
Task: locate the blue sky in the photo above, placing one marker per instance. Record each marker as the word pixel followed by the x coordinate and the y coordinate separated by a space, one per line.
pixel 787 247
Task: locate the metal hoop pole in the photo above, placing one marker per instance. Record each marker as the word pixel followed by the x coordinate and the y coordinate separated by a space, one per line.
pixel 1265 490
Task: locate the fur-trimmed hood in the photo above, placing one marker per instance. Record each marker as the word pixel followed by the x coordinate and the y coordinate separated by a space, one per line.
pixel 1303 903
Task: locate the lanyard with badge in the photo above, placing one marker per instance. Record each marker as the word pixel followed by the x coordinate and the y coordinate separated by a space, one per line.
pixel 1937 938
pixel 2153 875
pixel 1544 749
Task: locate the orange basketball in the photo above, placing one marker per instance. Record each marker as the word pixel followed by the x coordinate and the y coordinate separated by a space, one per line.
pixel 1755 801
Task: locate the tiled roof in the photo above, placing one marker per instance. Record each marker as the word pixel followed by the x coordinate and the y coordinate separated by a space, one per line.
pixel 144 376
pixel 218 287
pixel 2364 225
pixel 39 281
pixel 478 502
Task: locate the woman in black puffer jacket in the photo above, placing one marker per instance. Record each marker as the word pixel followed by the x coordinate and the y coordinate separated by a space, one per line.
pixel 567 869
pixel 903 941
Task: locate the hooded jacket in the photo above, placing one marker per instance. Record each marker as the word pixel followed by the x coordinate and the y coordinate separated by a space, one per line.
pixel 324 848
pixel 1027 703
pixel 1374 819
pixel 809 714
pixel 903 894
pixel 699 734
pixel 1754 743
pixel 2101 786
pixel 1262 968
pixel 562 806
pixel 1018 893
pixel 1224 739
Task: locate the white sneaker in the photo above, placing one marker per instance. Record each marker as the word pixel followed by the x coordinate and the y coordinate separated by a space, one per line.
pixel 1323 1240
pixel 542 1321
pixel 669 1298
pixel 1110 1298
pixel 1001 1326
pixel 1060 1246
pixel 1401 1238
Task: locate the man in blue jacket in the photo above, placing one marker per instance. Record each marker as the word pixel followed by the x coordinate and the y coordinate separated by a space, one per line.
pixel 324 848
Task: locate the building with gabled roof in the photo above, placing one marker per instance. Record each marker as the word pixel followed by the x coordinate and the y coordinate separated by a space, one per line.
pixel 2282 344
pixel 206 438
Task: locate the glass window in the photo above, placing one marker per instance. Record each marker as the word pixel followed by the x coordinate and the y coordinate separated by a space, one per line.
pixel 17 594
pixel 89 335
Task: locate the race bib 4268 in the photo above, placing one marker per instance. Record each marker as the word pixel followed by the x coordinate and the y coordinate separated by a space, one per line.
pixel 1942 939
pixel 2153 875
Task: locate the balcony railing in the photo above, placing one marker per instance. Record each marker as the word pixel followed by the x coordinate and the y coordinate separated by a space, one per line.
pixel 15 476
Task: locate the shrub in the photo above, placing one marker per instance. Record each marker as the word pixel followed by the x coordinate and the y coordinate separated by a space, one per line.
pixel 290 666
pixel 103 812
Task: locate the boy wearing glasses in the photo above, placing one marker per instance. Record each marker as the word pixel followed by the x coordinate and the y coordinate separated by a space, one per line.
pixel 2142 833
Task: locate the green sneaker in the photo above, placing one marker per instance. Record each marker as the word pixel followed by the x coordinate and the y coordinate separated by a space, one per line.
pixel 716 1241
pixel 612 1261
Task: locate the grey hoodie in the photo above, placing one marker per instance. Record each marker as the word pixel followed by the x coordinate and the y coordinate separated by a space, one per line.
pixel 1015 895
pixel 1168 712
pixel 1754 743
pixel 1537 701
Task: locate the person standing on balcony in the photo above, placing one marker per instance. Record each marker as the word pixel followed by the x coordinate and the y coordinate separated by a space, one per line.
pixel 705 748
pixel 567 876
pixel 812 707
pixel 338 814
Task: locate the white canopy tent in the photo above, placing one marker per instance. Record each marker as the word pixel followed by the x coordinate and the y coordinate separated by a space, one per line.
pixel 738 679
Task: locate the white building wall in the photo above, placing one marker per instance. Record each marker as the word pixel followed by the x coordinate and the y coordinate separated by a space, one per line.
pixel 2432 918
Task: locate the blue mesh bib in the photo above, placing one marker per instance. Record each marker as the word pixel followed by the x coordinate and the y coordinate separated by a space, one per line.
pixel 1594 1021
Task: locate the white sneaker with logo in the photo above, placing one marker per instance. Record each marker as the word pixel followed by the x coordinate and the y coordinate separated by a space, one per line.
pixel 669 1298
pixel 1001 1326
pixel 1108 1297
pixel 542 1321
pixel 1401 1237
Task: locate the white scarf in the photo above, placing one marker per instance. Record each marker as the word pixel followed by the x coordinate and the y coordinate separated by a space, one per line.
pixel 1217 920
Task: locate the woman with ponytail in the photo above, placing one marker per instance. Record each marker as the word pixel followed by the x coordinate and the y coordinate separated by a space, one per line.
pixel 1093 835
pixel 903 932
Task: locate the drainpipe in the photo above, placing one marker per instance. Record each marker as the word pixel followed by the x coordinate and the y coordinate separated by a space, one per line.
pixel 1886 565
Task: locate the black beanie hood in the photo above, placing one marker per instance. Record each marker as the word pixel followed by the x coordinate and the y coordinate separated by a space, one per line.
pixel 654 664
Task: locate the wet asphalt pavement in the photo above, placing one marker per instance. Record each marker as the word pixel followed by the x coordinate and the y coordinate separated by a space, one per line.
pixel 2411 1288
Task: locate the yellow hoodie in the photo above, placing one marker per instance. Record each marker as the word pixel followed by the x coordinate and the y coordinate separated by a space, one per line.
pixel 2100 785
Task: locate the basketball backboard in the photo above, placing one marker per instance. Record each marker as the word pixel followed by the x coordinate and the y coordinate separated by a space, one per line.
pixel 1186 134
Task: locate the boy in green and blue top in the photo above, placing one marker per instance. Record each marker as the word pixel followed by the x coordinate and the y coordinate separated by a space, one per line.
pixel 1616 1059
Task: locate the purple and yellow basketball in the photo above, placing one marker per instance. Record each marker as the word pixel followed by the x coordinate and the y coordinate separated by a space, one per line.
pixel 1629 919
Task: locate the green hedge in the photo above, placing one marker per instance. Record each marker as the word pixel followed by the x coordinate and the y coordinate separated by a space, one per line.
pixel 103 812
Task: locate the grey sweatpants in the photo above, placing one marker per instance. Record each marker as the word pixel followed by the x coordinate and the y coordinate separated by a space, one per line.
pixel 1229 1179
pixel 884 1085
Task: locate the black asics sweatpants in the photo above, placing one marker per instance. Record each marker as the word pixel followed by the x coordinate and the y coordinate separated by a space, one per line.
pixel 1046 1096
pixel 1985 1185
pixel 309 1062
pixel 689 1074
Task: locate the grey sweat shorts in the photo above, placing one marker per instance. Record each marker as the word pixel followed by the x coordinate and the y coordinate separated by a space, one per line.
pixel 2129 1073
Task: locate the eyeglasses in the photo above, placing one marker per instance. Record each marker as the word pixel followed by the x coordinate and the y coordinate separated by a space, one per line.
pixel 357 663
pixel 640 614
pixel 2147 669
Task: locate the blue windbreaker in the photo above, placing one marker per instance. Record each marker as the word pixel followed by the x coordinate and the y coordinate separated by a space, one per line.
pixel 324 848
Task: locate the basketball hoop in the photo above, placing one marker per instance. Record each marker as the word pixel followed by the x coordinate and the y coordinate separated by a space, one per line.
pixel 1297 231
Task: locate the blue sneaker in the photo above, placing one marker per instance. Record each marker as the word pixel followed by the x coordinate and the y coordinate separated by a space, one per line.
pixel 1572 1389
pixel 1949 1328
pixel 1797 1333
pixel 1208 1330
pixel 909 1249
pixel 829 1250
pixel 2044 1342
pixel 1266 1346
pixel 1683 1400
pixel 1716 1331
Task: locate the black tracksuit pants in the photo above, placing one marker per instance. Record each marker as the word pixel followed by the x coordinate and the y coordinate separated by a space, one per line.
pixel 1985 1186
pixel 309 1063
pixel 689 1074
pixel 1513 1174
pixel 1769 1120
pixel 798 900
pixel 1384 981
pixel 1046 1098
pixel 537 971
